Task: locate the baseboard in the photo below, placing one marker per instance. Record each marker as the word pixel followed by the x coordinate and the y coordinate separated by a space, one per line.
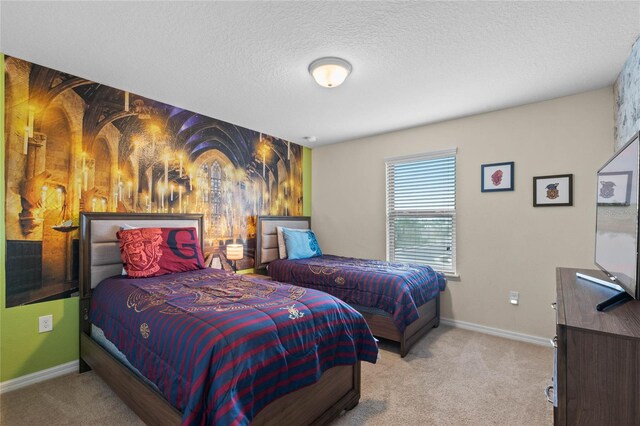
pixel 39 376
pixel 536 340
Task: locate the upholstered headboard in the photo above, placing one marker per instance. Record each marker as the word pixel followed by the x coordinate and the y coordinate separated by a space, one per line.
pixel 99 251
pixel 267 239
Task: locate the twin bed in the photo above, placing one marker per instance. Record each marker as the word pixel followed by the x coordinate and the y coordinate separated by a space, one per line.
pixel 400 302
pixel 206 346
pixel 210 347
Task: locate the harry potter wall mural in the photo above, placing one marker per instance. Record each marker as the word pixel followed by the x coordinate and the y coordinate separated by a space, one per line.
pixel 73 145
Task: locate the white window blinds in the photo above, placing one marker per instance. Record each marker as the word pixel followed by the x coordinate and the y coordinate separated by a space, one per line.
pixel 421 210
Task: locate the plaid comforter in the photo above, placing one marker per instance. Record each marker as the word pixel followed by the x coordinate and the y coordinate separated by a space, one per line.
pixel 396 288
pixel 220 346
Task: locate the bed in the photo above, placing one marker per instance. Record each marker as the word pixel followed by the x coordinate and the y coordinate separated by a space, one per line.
pixel 404 318
pixel 312 395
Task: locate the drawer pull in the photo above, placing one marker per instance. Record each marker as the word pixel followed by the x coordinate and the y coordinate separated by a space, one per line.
pixel 554 305
pixel 554 342
pixel 547 392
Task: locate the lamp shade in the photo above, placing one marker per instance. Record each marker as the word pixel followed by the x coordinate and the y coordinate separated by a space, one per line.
pixel 330 72
pixel 235 251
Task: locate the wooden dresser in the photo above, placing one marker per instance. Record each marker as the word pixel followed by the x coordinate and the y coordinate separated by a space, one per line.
pixel 597 368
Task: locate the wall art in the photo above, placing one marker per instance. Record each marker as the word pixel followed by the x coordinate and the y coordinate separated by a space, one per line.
pixel 74 145
pixel 497 177
pixel 553 191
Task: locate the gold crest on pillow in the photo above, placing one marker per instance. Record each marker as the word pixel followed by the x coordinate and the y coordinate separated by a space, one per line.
pixel 140 249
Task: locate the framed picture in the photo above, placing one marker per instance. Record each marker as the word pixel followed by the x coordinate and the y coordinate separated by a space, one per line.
pixel 614 188
pixel 553 191
pixel 497 177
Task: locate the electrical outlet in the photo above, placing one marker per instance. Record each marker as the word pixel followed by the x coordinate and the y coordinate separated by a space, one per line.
pixel 514 297
pixel 45 324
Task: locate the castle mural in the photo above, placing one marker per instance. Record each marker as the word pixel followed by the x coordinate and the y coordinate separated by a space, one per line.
pixel 626 91
pixel 73 145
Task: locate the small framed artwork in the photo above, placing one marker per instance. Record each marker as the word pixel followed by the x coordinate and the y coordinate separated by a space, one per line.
pixel 497 177
pixel 553 191
pixel 614 188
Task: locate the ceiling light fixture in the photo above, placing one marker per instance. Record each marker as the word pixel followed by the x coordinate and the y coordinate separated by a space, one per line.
pixel 330 72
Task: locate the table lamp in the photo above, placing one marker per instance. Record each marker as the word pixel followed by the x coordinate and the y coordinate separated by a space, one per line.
pixel 235 252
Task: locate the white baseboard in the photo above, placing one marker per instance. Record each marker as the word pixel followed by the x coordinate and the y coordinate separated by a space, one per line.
pixel 39 376
pixel 537 340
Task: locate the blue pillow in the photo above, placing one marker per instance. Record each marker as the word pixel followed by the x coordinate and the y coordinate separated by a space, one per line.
pixel 301 244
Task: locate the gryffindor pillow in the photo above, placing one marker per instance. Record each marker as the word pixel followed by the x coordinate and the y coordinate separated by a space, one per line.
pixel 151 252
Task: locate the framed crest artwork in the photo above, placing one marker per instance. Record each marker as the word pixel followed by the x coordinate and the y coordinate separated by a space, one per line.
pixel 497 177
pixel 553 191
pixel 614 188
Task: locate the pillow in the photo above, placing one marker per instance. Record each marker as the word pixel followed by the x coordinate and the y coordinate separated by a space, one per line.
pixel 282 246
pixel 301 244
pixel 125 226
pixel 151 252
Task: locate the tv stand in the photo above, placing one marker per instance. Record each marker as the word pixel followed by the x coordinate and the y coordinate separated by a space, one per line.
pixel 616 299
pixel 597 374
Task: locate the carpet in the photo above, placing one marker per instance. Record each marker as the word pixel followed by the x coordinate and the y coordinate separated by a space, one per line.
pixel 451 377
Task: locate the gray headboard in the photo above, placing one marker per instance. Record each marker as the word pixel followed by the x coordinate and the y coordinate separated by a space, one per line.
pixel 267 238
pixel 99 250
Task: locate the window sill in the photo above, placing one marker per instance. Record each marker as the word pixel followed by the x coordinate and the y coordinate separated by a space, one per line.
pixel 451 276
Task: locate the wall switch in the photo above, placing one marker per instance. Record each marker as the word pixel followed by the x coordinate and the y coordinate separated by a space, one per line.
pixel 45 323
pixel 513 297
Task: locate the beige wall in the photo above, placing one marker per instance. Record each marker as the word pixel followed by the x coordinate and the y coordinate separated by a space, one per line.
pixel 503 242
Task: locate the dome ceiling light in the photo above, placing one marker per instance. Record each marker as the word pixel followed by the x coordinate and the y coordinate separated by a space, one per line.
pixel 329 72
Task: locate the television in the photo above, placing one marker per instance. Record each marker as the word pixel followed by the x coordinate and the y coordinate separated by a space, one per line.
pixel 617 225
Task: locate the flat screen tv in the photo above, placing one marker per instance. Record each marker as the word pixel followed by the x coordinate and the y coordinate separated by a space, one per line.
pixel 617 223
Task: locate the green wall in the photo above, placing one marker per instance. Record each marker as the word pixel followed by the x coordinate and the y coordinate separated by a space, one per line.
pixel 22 349
pixel 306 181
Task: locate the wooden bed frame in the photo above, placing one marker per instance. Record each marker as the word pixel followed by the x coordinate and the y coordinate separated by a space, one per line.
pixel 380 322
pixel 337 390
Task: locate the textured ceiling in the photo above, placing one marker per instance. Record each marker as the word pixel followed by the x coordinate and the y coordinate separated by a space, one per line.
pixel 413 62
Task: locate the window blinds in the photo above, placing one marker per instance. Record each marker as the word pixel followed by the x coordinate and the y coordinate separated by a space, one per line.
pixel 421 216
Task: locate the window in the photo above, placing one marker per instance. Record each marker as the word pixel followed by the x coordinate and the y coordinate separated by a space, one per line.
pixel 421 210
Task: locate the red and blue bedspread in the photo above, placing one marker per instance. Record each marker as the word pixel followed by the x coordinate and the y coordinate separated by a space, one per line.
pixel 221 346
pixel 396 288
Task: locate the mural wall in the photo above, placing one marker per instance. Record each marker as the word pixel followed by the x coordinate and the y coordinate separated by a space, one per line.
pixel 73 145
pixel 626 91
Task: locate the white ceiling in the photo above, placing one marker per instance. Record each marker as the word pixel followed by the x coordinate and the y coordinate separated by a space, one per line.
pixel 413 62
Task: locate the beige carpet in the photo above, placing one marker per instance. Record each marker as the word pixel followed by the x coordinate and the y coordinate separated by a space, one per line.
pixel 457 377
pixel 451 377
